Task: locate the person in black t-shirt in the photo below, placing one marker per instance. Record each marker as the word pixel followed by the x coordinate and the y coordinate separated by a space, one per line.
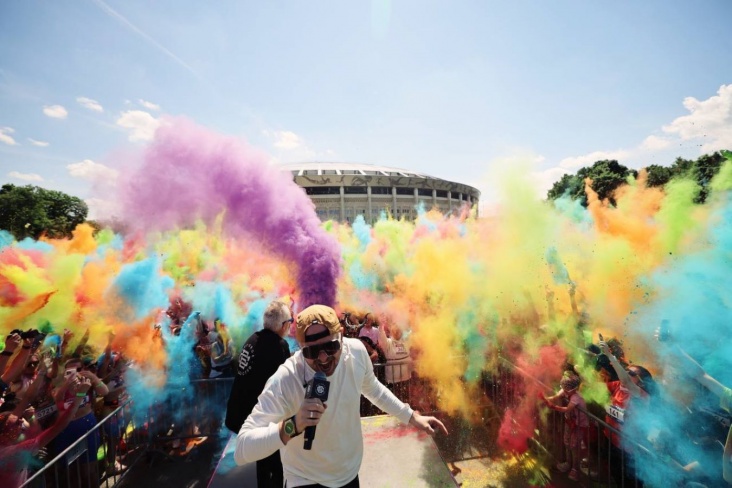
pixel 262 354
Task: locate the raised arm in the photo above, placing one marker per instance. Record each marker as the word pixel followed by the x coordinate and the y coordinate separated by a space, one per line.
pixel 80 347
pixel 16 367
pixel 623 375
pixel 99 387
pixel 572 299
pixel 12 343
pixel 107 355
pixel 696 371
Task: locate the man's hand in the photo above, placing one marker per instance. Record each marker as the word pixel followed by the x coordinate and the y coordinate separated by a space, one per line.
pixel 67 336
pixel 427 424
pixel 310 412
pixel 12 342
pixel 309 415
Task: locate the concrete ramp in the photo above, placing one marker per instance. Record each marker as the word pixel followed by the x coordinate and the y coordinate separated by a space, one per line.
pixel 395 456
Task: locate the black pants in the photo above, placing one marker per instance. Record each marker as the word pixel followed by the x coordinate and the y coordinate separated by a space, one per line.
pixel 351 484
pixel 269 472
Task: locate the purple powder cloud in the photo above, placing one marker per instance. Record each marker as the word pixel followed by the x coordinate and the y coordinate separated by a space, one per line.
pixel 189 172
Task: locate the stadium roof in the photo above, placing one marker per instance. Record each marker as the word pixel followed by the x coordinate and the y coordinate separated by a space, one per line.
pixel 331 168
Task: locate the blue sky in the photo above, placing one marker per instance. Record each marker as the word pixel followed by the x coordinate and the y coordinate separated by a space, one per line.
pixel 455 89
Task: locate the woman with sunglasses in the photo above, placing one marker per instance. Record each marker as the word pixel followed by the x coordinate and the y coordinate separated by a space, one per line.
pixel 283 411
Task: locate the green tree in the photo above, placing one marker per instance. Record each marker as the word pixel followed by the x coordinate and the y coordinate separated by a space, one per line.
pixel 682 167
pixel 658 175
pixel 31 211
pixel 703 170
pixel 606 176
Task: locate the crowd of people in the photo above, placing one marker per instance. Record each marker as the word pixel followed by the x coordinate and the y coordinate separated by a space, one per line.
pixel 650 433
pixel 52 396
pixel 56 388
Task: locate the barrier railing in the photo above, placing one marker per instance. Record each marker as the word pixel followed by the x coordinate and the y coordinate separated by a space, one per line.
pixel 608 457
pixel 174 427
pixel 124 440
pixel 121 445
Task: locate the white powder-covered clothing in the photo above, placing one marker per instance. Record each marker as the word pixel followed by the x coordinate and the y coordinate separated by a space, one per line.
pixel 337 450
pixel 398 363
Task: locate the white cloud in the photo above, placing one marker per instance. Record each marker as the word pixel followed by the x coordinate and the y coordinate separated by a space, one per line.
pixel 140 124
pixel 55 111
pixel 5 136
pixel 655 143
pixel 25 176
pixel 149 105
pixel 708 126
pixel 292 147
pixel 38 143
pixel 285 139
pixel 577 162
pixel 89 170
pixel 709 121
pixel 90 104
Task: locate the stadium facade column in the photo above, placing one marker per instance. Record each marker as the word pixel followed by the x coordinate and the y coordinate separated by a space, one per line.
pixel 434 198
pixel 343 204
pixel 449 200
pixel 393 201
pixel 370 220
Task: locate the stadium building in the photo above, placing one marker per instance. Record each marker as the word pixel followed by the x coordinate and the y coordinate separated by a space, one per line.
pixel 342 191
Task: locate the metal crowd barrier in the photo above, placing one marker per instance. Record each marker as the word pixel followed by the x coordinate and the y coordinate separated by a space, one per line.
pixel 603 464
pixel 122 445
pixel 125 440
pixel 170 427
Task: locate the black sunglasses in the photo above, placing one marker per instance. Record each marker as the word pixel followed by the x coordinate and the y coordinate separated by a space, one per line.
pixel 330 348
pixel 288 321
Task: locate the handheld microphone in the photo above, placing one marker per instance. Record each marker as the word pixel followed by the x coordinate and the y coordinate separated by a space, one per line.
pixel 317 388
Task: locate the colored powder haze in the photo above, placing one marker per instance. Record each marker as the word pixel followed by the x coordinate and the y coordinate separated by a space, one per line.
pixel 217 230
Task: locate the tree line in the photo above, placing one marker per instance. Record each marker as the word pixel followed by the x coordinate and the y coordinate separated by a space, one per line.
pixel 32 211
pixel 608 174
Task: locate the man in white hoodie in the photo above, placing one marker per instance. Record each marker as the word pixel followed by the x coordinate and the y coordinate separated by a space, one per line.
pixel 282 412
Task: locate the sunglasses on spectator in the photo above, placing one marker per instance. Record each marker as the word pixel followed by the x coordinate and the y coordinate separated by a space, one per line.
pixel 288 321
pixel 32 365
pixel 631 372
pixel 330 348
